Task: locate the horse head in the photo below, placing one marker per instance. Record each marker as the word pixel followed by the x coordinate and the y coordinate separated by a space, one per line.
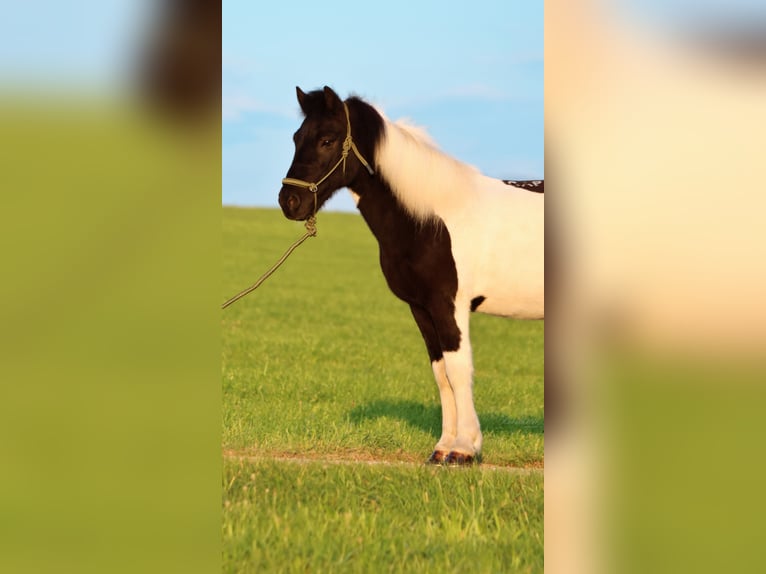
pixel 323 161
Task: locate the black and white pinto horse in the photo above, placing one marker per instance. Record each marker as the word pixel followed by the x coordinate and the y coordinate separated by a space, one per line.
pixel 452 240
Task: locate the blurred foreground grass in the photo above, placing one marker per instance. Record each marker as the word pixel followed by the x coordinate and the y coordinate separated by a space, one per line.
pixel 109 348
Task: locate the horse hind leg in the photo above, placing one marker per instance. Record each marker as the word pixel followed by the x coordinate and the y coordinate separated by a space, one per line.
pixel 449 412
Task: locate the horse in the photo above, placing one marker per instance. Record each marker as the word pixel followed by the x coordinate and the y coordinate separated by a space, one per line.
pixel 451 240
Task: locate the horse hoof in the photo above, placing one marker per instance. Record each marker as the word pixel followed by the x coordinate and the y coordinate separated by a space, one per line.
pixel 437 457
pixel 459 459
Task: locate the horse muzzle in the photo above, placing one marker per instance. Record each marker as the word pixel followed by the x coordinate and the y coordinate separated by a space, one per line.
pixel 293 206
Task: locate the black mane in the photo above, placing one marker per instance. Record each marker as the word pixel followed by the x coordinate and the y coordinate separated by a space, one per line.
pixel 368 137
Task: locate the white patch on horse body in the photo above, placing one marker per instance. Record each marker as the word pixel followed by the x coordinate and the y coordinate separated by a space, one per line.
pixel 499 250
pixel 497 240
pixel 354 196
pixel 496 230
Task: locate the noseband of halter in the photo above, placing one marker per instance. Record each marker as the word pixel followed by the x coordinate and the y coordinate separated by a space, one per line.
pixel 348 144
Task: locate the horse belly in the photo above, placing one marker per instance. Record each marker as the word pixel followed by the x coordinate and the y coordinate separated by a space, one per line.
pixel 509 278
pixel 516 304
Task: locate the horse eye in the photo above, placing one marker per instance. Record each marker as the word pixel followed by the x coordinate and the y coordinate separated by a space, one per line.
pixel 326 142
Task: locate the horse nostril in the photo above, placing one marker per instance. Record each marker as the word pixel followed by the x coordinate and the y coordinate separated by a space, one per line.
pixel 293 202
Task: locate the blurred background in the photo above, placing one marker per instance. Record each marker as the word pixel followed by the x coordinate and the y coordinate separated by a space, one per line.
pixel 110 172
pixel 655 124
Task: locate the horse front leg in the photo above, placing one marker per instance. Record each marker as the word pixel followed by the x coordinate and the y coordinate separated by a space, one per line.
pixel 445 330
pixel 466 448
pixel 449 411
pixel 458 361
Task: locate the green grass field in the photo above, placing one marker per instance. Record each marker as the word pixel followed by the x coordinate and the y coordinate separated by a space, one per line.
pixel 330 409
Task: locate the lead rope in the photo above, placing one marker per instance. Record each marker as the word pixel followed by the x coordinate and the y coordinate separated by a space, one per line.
pixel 311 231
pixel 311 228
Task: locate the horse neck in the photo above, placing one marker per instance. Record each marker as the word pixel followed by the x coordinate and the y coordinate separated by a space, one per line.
pixel 387 219
pixel 393 223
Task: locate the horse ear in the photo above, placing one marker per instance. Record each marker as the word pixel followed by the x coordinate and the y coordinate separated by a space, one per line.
pixel 301 98
pixel 332 101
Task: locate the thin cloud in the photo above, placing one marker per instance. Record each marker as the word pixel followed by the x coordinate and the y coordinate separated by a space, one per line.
pixel 238 66
pixel 478 92
pixel 235 106
pixel 474 92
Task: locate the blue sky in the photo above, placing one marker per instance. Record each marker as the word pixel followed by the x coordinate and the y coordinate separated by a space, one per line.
pixel 471 74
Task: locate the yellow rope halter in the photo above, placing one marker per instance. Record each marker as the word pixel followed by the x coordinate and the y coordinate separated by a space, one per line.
pixel 348 144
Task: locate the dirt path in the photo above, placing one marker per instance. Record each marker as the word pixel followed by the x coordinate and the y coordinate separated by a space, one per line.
pixel 359 458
